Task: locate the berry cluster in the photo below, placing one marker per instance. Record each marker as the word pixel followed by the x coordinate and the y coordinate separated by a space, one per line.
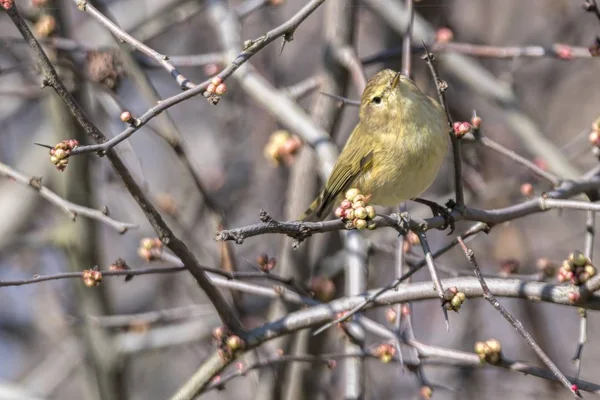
pixel 282 146
pixel 228 343
pixel 355 211
pixel 453 299
pixel 150 249
pixel 59 154
pixel 489 351
pixel 385 352
pixel 91 277
pixel 577 269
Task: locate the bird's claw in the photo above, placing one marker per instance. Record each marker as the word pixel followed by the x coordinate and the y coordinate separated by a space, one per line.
pixel 441 210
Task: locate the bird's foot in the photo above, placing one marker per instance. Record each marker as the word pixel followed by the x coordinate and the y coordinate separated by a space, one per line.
pixel 402 223
pixel 441 210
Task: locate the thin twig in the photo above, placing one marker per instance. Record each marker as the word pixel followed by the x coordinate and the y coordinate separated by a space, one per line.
pixel 286 29
pixel 590 234
pixel 162 59
pixel 549 176
pixel 441 87
pixel 487 294
pixel 394 285
pixel 71 209
pixel 434 274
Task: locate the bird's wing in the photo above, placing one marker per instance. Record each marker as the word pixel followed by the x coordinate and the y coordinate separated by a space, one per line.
pixel 348 167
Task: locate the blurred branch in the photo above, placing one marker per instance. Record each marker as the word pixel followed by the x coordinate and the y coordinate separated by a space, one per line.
pixel 558 51
pixel 320 314
pixel 72 210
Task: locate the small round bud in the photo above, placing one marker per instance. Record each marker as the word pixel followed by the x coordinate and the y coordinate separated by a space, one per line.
pixel 211 88
pixel 221 89
pixel 476 121
pixel 126 116
pixel 235 342
pixel 360 223
pixel 444 35
pixel 578 259
pixel 361 213
pixel 563 51
pixel 590 270
pixel 352 193
pixel 346 204
pixel 331 364
pixel 566 266
pixel 527 189
pixel 370 212
pixel 425 392
pixel 216 80
pixel 349 214
pixel 594 138
pixel 480 347
pixel 494 345
pixel 574 297
pixel 391 315
pixel 339 212
pixel 358 204
pixel 371 225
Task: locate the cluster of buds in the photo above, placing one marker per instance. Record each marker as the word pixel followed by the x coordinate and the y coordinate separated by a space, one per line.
pixel 462 128
pixel 59 154
pixel 266 263
pixel 227 343
pixel 577 269
pixel 91 277
pixel 217 86
pixel 453 299
pixel 385 352
pixel 489 351
pixel 322 288
pixel 355 210
pixel 594 137
pixel 150 249
pixel 282 146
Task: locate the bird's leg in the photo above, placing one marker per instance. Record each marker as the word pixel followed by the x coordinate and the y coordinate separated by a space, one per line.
pixel 438 209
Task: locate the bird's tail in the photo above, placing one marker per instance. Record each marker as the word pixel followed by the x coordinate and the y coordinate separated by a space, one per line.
pixel 317 210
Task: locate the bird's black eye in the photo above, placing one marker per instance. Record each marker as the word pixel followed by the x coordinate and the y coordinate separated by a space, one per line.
pixel 376 100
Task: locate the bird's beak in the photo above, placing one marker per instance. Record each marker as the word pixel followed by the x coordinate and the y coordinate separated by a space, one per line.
pixel 396 80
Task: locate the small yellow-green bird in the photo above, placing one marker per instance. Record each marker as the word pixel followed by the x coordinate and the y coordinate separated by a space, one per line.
pixel 395 151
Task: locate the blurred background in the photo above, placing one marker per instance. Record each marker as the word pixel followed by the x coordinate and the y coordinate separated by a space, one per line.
pixel 52 347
